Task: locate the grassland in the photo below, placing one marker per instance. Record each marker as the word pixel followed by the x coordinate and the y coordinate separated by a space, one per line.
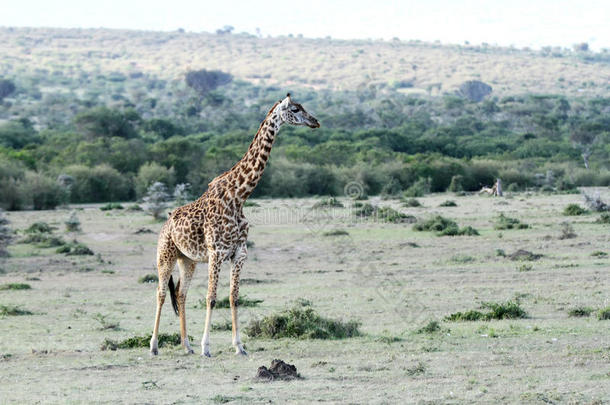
pixel 428 68
pixel 399 283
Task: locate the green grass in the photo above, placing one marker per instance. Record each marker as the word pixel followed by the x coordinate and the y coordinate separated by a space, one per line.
pixel 301 323
pixel 136 342
pixel 111 206
pixel 579 312
pixel 444 227
pixel 507 310
pixel 11 310
pixel 15 286
pixel 574 210
pixel 242 301
pixel 503 222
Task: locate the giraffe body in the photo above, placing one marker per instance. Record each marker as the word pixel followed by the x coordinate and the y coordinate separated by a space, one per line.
pixel 213 229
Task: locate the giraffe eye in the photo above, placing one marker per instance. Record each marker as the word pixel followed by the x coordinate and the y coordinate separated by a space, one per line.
pixel 294 109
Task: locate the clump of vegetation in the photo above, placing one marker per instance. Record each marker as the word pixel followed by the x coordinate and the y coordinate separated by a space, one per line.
pixel 331 202
pixel 411 202
pixel 503 222
pixel 384 214
pixel 249 203
pixel 137 342
pixel 595 203
pixel 105 323
pixel 419 368
pixel 524 255
pixel 444 227
pixel 525 267
pixel 462 258
pixel 603 219
pixel 75 248
pixel 72 223
pixel 420 188
pixel 40 227
pixel 430 327
pixel 43 240
pixel 156 200
pixel 301 322
pixel 6 235
pixel 148 278
pixel 457 184
pixel 448 203
pixel 111 206
pixel 507 310
pixel 604 314
pixel 336 232
pixel 134 207
pixel 580 312
pixel 599 253
pixel 11 310
pixel 574 210
pixel 15 286
pixel 242 301
pixel 567 231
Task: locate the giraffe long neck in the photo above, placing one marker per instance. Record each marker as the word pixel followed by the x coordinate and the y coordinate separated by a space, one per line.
pixel 249 170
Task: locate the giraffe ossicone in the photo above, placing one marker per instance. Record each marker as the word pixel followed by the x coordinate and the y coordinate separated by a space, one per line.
pixel 213 229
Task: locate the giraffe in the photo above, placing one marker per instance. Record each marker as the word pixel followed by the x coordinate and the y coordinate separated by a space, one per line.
pixel 213 229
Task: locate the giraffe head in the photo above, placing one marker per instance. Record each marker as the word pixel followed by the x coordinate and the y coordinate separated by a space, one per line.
pixel 294 113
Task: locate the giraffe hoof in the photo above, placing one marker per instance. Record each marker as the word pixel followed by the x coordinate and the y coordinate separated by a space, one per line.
pixel 206 354
pixel 154 352
pixel 189 351
pixel 240 352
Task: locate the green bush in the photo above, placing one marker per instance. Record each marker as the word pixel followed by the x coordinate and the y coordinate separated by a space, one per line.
pixel 15 286
pixel 420 188
pixel 573 210
pixel 448 203
pixel 507 310
pixel 242 301
pixel 603 219
pixel 41 192
pixel 503 222
pixel 444 227
pixel 604 314
pixel 98 184
pixel 139 342
pixel 580 312
pixel 411 202
pixel 151 173
pixel 301 323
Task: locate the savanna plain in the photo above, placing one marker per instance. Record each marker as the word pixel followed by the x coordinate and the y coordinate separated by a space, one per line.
pixel 400 284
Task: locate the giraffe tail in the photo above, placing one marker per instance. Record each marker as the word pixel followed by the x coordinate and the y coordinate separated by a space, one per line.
pixel 172 293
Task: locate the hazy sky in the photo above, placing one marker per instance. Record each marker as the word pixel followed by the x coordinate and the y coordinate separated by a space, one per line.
pixel 521 23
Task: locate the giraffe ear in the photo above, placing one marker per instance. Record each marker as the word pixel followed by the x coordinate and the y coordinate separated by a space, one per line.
pixel 285 102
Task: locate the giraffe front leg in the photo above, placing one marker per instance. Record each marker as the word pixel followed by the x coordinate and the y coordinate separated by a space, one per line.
pixel 187 269
pixel 238 262
pixel 214 262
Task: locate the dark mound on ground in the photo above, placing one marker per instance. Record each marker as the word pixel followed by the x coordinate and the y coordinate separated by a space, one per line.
pixel 524 255
pixel 277 371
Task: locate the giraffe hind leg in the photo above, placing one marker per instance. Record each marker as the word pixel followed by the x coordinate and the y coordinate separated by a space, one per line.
pixel 187 269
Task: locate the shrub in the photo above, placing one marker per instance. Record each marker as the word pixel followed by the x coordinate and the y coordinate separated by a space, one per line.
pixel 420 188
pixel 503 222
pixel 444 227
pixel 507 310
pixel 72 223
pixel 43 240
pixel 40 227
pixel 301 322
pixel 595 203
pixel 42 192
pixel 448 203
pixel 430 327
pixel 456 184
pixel 574 210
pixel 328 203
pixel 15 286
pixel 580 312
pixel 599 253
pixel 6 235
pixel 151 173
pixel 11 310
pixel 604 314
pixel 182 194
pixel 137 342
pixel 411 202
pixel 336 232
pixel 75 248
pixel 567 231
pixel 111 206
pixel 242 301
pixel 155 201
pixel 603 219
pixel 98 184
